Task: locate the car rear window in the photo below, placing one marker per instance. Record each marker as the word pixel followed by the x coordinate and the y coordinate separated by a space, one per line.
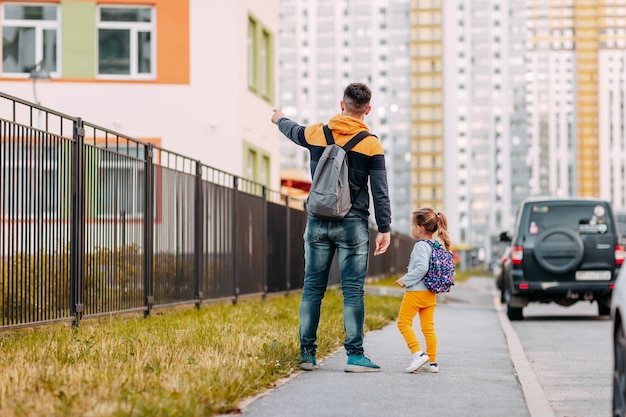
pixel 590 219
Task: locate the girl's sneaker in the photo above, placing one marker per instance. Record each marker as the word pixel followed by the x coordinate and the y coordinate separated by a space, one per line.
pixel 430 367
pixel 419 359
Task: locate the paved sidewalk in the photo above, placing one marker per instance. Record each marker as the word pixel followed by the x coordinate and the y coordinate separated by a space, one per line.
pixel 476 372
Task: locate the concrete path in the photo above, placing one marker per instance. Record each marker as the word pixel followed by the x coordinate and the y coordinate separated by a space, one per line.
pixel 479 365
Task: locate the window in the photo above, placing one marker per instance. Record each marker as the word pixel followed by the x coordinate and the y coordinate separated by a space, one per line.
pixel 251 48
pixel 251 165
pixel 32 183
pixel 120 183
pixel 29 38
pixel 126 47
pixel 265 170
pixel 260 59
pixel 264 63
pixel 257 164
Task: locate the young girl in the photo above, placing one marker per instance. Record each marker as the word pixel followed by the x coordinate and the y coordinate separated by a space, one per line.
pixel 418 299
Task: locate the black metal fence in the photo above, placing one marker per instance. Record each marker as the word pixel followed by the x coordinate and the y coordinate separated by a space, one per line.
pixel 95 222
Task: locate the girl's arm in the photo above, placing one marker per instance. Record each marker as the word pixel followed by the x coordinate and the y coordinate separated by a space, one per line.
pixel 418 267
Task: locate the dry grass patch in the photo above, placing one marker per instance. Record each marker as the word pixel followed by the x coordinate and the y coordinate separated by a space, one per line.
pixel 178 363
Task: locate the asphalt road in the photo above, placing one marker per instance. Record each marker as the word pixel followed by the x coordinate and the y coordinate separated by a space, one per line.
pixel 483 371
pixel 570 351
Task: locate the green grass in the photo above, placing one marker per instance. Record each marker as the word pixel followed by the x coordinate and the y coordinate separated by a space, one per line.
pixel 182 362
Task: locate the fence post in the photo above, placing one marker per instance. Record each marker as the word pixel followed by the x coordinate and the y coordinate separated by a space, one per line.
pixel 77 238
pixel 287 239
pixel 264 234
pixel 199 236
pixel 148 230
pixel 234 237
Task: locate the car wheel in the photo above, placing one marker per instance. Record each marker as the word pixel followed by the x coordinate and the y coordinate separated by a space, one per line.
pixel 604 309
pixel 619 371
pixel 514 313
pixel 558 250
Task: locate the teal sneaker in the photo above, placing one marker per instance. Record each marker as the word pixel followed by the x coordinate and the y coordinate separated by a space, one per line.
pixel 307 361
pixel 361 363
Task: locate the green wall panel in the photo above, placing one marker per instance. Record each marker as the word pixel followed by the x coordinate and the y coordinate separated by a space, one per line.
pixel 78 47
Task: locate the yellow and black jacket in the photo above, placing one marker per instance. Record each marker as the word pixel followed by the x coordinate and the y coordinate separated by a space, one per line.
pixel 366 161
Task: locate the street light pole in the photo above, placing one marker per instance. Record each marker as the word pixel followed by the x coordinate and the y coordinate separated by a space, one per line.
pixel 38 73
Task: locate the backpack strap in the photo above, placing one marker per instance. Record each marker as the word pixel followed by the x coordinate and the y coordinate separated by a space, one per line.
pixel 330 140
pixel 356 139
pixel 329 135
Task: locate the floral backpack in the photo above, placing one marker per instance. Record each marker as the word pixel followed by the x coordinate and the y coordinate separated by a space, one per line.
pixel 440 275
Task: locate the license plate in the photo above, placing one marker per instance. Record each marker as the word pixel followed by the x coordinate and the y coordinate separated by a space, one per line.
pixel 593 275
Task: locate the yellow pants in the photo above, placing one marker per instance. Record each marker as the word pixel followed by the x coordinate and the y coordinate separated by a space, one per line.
pixel 424 303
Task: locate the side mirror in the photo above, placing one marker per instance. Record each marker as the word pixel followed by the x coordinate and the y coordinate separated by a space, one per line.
pixel 505 237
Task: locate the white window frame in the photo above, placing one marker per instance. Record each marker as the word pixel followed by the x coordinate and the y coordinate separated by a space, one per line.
pixel 39 26
pixel 134 28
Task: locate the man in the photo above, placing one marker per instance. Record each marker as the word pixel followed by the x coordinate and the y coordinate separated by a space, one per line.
pixel 348 236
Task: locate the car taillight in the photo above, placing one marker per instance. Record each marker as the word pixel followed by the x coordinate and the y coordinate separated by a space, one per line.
pixel 619 254
pixel 523 286
pixel 517 255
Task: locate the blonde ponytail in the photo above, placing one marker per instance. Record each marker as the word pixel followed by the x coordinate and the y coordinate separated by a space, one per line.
pixel 442 231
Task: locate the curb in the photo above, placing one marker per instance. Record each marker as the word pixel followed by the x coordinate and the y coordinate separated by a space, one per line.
pixel 536 400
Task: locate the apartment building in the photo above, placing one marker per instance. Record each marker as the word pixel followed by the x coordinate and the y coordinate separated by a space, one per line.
pixel 449 88
pixel 327 44
pixel 610 87
pixel 504 99
pixel 611 120
pixel 551 98
pixel 575 77
pixel 428 168
pixel 192 76
pixel 468 121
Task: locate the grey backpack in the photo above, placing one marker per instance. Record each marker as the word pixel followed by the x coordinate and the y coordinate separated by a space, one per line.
pixel 329 197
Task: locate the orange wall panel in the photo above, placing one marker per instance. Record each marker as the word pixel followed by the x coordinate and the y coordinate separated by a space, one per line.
pixel 173 42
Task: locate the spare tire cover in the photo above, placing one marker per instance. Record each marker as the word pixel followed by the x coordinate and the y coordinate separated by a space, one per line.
pixel 559 250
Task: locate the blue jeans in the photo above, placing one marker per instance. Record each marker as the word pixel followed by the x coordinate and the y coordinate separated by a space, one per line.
pixel 350 239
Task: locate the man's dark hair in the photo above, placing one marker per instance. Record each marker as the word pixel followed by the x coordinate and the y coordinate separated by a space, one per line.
pixel 357 97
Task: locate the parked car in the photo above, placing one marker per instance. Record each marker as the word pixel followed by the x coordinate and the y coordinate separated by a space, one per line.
pixel 563 250
pixel 618 318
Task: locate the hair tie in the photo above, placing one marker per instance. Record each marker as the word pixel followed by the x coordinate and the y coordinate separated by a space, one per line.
pixel 437 213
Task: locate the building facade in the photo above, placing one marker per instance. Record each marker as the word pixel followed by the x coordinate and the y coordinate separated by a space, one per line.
pixel 327 44
pixel 469 124
pixel 575 76
pixel 448 81
pixel 484 103
pixel 158 70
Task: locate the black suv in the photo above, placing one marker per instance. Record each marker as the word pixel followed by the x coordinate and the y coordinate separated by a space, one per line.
pixel 564 250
